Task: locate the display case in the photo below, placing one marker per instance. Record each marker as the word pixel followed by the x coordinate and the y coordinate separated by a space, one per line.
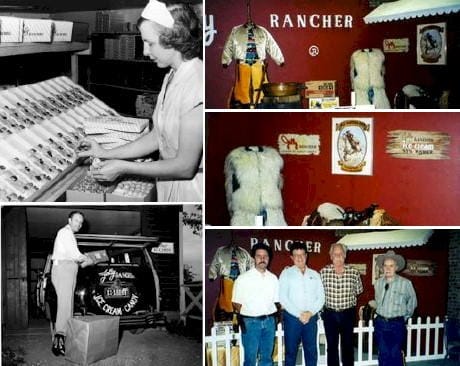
pixel 41 126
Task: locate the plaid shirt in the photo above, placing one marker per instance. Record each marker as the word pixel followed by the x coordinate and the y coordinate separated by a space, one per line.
pixel 341 290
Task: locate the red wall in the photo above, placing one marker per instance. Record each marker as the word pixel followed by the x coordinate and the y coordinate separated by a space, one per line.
pixel 414 192
pixel 431 291
pixel 335 44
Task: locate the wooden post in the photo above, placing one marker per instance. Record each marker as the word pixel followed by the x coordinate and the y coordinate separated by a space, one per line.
pixel 14 250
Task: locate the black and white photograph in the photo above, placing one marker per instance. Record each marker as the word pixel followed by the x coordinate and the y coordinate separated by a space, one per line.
pixel 102 285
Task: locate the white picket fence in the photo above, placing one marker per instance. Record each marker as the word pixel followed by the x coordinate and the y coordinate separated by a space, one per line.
pixel 425 341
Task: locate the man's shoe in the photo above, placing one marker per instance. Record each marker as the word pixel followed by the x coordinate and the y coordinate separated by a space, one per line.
pixel 58 348
pixel 62 345
pixel 55 347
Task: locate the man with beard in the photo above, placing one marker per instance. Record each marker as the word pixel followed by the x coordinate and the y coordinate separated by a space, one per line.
pixel 255 300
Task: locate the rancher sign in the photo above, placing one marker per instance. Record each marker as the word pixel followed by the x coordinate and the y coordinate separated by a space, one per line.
pixel 431 145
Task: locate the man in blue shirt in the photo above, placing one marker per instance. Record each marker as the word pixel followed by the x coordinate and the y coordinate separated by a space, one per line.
pixel 396 302
pixel 302 297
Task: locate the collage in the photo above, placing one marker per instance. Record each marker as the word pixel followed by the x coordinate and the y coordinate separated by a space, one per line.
pixel 215 183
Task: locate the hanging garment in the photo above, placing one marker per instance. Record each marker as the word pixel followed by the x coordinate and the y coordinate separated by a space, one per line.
pixel 248 82
pixel 236 45
pixel 367 71
pixel 253 186
pixel 228 263
pixel 249 46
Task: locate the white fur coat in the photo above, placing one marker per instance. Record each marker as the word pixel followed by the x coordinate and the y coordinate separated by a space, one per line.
pixel 366 71
pixel 253 185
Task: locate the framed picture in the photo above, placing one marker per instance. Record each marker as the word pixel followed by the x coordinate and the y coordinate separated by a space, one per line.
pixel 377 271
pixel 352 146
pixel 431 44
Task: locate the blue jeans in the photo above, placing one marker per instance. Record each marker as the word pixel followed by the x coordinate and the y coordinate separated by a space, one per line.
pixel 258 339
pixel 294 332
pixel 339 323
pixel 390 337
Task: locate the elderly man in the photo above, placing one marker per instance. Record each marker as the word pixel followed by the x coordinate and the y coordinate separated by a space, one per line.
pixel 342 285
pixel 302 297
pixel 396 302
pixel 255 300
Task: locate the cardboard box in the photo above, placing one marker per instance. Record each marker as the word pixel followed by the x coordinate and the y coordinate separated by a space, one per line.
pixel 320 88
pixel 86 189
pixel 98 256
pixel 79 196
pixel 62 31
pixel 114 194
pixel 37 30
pixel 91 338
pixel 80 32
pixel 323 103
pixel 10 29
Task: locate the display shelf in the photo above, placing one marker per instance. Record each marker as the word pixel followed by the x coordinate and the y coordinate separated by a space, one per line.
pixel 139 90
pixel 12 49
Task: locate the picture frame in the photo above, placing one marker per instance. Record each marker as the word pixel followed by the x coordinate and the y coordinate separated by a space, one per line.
pixel 431 44
pixel 377 272
pixel 352 146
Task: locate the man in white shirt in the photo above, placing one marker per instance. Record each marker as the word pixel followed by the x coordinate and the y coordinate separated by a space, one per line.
pixel 255 300
pixel 66 258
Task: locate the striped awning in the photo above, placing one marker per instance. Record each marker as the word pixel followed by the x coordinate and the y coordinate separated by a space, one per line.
pixel 406 9
pixel 386 239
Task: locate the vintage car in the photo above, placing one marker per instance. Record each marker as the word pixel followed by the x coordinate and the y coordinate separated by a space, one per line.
pixel 126 284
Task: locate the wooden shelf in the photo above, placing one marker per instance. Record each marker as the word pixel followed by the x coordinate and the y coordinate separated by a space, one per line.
pixel 125 60
pixel 12 49
pixel 140 90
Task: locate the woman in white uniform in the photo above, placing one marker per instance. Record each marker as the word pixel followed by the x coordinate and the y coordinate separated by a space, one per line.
pixel 172 38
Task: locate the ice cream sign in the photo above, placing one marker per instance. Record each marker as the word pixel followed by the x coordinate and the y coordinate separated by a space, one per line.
pixel 406 144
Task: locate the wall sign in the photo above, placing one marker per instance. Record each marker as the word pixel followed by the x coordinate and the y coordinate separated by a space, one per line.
pixel 279 245
pixel 396 45
pixel 311 21
pixel 420 267
pixel 361 267
pixel 431 44
pixel 209 30
pixel 294 144
pixel 352 146
pixel 164 248
pixel 429 145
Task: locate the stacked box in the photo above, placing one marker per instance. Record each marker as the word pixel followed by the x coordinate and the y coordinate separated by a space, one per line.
pixel 323 103
pixel 11 29
pixel 320 88
pixel 37 30
pixel 62 31
pixel 91 338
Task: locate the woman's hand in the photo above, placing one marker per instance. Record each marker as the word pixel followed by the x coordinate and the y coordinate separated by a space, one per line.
pixel 89 147
pixel 108 170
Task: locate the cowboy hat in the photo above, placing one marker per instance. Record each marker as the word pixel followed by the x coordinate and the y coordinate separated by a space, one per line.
pixel 399 260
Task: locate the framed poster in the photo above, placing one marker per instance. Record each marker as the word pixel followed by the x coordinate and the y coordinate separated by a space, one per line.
pixel 352 146
pixel 377 271
pixel 431 44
